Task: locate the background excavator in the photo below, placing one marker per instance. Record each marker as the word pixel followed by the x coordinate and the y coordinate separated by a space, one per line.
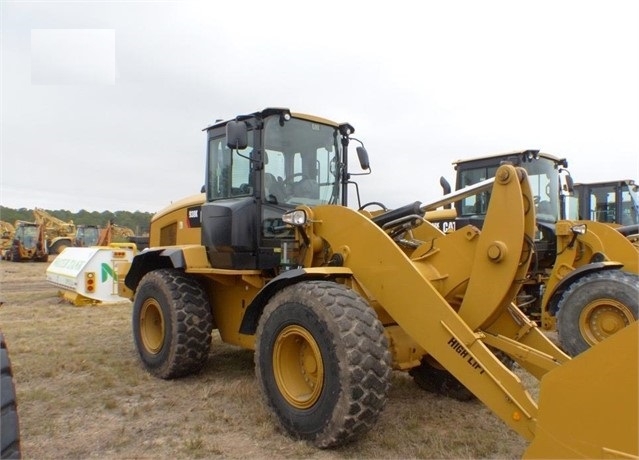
pixel 92 235
pixel 58 233
pixel 333 299
pixel 61 235
pixel 583 281
pixel 28 243
pixel 7 231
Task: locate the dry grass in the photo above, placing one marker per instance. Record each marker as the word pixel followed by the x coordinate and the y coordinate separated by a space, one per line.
pixel 83 394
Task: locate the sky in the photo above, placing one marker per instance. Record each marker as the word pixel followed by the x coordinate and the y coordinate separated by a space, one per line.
pixel 102 103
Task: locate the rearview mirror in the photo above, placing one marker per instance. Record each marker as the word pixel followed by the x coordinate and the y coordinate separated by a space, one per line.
pixel 236 135
pixel 362 154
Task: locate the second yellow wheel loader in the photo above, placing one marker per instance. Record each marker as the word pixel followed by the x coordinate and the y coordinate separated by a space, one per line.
pixel 332 299
pixel 583 281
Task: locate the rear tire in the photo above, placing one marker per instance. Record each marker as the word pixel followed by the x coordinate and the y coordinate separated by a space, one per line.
pixel 431 378
pixel 322 363
pixel 595 307
pixel 172 324
pixel 9 426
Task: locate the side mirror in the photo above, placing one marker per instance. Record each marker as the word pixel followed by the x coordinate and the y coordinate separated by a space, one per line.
pixel 362 154
pixel 570 184
pixel 236 135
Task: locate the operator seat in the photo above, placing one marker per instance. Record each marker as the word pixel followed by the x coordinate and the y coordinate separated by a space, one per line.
pixel 544 207
pixel 307 188
pixel 274 190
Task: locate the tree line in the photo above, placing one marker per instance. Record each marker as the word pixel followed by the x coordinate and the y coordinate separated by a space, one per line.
pixel 137 221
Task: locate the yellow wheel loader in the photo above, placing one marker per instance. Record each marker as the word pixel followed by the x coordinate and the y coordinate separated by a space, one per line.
pixel 583 281
pixel 332 300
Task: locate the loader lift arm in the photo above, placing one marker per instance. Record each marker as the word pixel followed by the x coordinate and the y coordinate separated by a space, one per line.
pixel 455 313
pixel 459 317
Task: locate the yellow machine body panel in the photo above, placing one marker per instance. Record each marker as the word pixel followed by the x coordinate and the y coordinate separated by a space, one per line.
pixel 173 226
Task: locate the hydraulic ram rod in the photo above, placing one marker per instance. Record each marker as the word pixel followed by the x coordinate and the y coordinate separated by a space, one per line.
pixel 459 195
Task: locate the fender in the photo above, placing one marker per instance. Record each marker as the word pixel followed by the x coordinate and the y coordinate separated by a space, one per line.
pixel 574 275
pixel 287 278
pixel 186 256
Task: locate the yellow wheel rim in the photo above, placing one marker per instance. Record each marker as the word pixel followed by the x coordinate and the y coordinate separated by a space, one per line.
pixel 152 326
pixel 298 367
pixel 602 318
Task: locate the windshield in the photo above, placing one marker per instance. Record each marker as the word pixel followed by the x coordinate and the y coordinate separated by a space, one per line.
pixel 301 162
pixel 87 236
pixel 27 235
pixel 544 182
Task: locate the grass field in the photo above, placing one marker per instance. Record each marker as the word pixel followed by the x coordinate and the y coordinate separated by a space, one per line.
pixel 83 394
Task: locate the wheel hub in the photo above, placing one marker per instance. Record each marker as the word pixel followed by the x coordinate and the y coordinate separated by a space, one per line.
pixel 602 318
pixel 151 326
pixel 298 367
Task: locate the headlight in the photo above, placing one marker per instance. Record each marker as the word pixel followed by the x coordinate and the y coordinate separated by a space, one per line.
pixel 296 217
pixel 579 229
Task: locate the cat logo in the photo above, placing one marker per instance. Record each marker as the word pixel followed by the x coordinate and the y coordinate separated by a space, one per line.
pixel 446 226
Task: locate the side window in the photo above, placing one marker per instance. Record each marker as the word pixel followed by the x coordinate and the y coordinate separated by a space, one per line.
pixel 229 172
pixel 241 177
pixel 219 170
pixel 603 204
pixel 327 174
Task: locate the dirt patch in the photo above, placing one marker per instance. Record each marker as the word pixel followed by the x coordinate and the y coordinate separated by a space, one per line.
pixel 83 394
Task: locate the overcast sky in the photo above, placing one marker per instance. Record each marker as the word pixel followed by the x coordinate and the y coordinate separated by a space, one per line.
pixel 103 103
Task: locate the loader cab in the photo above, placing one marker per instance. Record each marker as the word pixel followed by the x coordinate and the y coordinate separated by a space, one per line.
pixel 28 235
pixel 543 170
pixel 87 235
pixel 615 202
pixel 260 166
pixel 550 183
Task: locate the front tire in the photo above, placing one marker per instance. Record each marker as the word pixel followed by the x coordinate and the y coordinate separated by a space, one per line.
pixel 9 425
pixel 15 254
pixel 595 307
pixel 59 246
pixel 172 324
pixel 322 363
